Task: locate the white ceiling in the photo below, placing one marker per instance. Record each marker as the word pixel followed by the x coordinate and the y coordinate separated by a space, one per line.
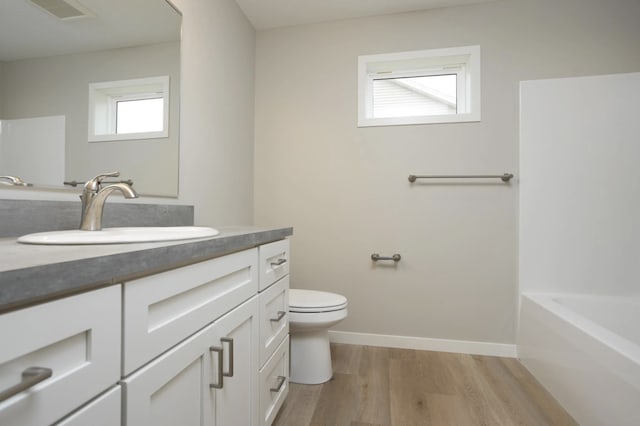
pixel 26 31
pixel 265 14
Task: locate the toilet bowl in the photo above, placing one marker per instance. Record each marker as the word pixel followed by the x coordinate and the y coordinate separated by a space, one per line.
pixel 311 313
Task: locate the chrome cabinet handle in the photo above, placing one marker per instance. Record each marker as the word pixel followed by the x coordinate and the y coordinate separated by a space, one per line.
pixel 230 342
pixel 278 262
pixel 281 380
pixel 280 314
pixel 30 377
pixel 220 382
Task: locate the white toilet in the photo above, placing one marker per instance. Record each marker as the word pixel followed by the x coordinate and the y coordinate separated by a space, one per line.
pixel 311 313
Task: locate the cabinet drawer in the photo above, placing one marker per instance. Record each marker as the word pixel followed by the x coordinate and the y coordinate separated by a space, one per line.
pixel 274 383
pixel 274 262
pixel 164 309
pixel 274 317
pixel 78 338
pixel 103 411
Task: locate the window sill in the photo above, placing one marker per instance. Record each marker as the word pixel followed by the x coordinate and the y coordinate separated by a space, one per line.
pixel 431 119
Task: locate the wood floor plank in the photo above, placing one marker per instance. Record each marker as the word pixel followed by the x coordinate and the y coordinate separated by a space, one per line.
pixel 449 410
pixel 402 387
pixel 408 388
pixel 506 387
pixel 299 406
pixel 474 391
pixel 346 358
pixel 537 394
pixel 338 401
pixel 438 377
pixel 374 403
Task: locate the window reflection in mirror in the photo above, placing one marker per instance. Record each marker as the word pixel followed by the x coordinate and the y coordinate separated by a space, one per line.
pixel 129 109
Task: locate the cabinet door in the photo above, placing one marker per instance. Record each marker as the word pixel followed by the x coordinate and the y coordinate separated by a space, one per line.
pixel 237 335
pixel 187 385
pixel 174 388
pixel 103 411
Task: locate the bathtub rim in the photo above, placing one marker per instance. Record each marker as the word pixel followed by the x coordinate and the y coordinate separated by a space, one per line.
pixel 592 380
pixel 608 338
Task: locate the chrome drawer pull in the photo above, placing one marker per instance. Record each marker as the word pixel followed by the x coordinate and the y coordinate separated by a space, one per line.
pixel 30 377
pixel 281 315
pixel 230 342
pixel 220 383
pixel 281 380
pixel 279 262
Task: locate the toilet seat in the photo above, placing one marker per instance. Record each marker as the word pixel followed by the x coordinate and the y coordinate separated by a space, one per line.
pixel 310 301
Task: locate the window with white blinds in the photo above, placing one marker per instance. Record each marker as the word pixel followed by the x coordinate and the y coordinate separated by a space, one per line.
pixel 420 87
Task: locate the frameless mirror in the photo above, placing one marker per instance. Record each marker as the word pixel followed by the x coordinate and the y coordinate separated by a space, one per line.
pixel 51 51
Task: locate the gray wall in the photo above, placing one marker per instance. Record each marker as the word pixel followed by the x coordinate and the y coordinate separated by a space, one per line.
pixel 1 91
pixel 344 189
pixel 59 86
pixel 216 138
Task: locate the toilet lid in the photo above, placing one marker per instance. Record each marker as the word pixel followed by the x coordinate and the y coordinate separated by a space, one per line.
pixel 315 301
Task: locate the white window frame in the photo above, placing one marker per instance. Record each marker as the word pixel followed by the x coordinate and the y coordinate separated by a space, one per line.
pixel 103 99
pixel 462 61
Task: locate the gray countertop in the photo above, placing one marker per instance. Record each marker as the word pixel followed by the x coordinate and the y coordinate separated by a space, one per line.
pixel 31 274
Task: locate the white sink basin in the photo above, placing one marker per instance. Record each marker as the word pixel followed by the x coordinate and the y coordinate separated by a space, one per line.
pixel 119 235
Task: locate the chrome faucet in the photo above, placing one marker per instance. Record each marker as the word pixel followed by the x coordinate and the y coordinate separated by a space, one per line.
pixel 14 180
pixel 94 196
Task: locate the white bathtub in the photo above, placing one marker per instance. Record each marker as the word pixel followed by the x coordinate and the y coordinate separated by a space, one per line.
pixel 586 351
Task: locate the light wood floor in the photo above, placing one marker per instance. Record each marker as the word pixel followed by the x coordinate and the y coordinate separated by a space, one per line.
pixel 398 387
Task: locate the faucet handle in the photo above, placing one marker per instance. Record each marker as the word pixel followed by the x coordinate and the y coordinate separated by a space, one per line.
pixel 94 184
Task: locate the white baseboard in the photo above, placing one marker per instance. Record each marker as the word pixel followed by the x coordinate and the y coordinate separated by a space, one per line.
pixel 424 343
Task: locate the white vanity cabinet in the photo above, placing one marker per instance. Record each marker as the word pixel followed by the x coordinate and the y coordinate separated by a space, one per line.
pixel 77 338
pixel 202 344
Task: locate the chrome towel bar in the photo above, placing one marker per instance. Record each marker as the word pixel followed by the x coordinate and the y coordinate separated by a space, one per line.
pixel 504 177
pixel 375 257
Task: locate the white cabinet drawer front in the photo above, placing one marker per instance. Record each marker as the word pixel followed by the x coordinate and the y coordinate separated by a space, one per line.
pixel 78 338
pixel 274 317
pixel 165 308
pixel 274 383
pixel 274 262
pixel 103 411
